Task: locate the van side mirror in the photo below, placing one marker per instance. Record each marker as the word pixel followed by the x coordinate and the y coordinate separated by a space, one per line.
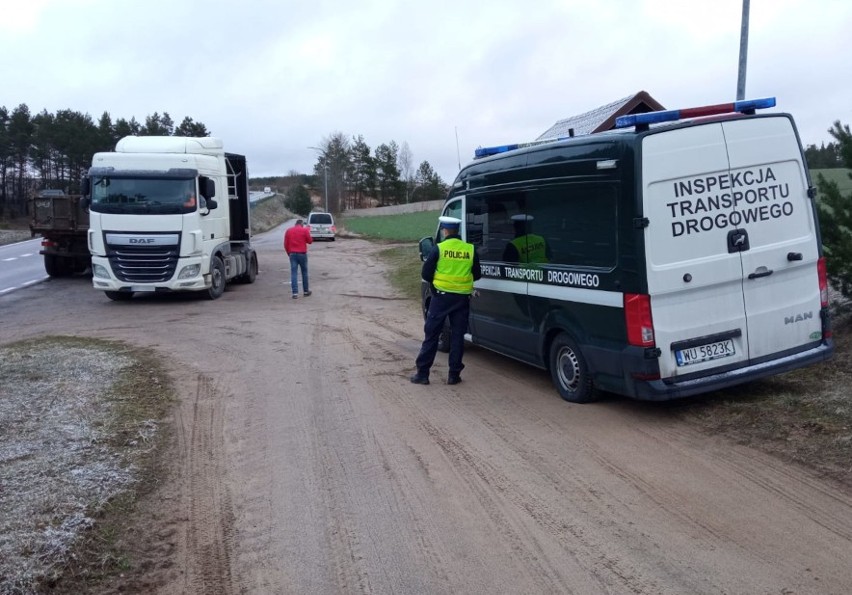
pixel 86 186
pixel 207 188
pixel 212 204
pixel 426 245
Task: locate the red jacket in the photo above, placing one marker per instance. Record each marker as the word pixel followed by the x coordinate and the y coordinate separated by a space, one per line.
pixel 296 239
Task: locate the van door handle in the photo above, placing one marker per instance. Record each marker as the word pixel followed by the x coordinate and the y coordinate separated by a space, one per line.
pixel 791 256
pixel 760 272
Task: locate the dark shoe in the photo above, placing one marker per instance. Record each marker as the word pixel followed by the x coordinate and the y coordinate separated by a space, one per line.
pixel 417 379
pixel 307 293
pixel 295 296
pixel 453 379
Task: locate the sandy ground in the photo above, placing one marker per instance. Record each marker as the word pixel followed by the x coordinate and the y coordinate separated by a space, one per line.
pixel 305 462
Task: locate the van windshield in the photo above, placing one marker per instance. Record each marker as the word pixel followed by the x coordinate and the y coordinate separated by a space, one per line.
pixel 143 196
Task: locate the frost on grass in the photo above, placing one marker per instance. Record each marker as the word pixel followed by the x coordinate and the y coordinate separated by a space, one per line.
pixel 56 463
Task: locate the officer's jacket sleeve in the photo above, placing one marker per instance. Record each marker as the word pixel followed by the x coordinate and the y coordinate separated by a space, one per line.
pixel 427 273
pixel 476 269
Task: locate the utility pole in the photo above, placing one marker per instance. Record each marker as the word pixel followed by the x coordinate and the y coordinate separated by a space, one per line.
pixel 741 77
pixel 325 185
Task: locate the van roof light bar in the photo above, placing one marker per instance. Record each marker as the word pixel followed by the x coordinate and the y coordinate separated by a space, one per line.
pixel 481 152
pixel 746 106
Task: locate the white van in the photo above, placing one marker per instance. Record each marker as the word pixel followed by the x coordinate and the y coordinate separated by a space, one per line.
pixel 674 256
pixel 322 226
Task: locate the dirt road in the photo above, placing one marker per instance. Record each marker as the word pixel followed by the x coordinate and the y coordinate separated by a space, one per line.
pixel 306 462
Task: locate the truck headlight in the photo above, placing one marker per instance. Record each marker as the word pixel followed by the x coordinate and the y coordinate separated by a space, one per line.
pixel 100 271
pixel 188 272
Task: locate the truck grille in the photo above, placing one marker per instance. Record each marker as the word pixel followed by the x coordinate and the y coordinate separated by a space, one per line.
pixel 143 264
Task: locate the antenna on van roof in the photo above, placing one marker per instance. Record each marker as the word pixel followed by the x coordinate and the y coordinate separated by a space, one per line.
pixel 747 106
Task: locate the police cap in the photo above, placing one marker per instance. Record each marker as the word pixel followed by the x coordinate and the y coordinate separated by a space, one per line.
pixel 449 222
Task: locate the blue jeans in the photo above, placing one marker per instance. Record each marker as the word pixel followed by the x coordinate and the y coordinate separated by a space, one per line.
pixel 300 261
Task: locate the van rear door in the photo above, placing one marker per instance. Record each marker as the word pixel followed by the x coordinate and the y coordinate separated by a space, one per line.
pixel 780 279
pixel 731 246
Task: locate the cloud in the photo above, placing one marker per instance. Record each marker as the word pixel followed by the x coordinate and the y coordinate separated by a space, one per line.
pixel 272 78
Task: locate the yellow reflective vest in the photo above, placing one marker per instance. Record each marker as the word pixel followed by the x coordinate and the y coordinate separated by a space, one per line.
pixel 531 248
pixel 453 272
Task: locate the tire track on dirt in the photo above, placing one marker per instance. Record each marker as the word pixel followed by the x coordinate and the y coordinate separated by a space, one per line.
pixel 209 508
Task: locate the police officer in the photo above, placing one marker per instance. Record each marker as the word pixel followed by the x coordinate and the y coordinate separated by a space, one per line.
pixel 451 268
pixel 527 247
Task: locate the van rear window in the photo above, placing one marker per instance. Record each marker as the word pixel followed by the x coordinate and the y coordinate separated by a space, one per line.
pixel 320 218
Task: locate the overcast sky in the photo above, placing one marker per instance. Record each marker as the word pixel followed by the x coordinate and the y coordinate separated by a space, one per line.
pixel 274 77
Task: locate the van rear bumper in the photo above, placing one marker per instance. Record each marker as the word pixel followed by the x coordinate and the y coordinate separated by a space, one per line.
pixel 660 390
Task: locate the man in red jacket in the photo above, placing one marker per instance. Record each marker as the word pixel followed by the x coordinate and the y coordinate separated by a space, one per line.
pixel 296 240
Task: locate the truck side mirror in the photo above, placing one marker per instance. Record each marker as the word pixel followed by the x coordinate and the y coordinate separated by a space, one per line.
pixel 426 245
pixel 207 188
pixel 86 186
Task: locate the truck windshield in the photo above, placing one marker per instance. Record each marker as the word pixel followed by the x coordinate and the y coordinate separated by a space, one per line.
pixel 143 196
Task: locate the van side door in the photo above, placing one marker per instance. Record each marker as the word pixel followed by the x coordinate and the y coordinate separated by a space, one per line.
pixel 500 317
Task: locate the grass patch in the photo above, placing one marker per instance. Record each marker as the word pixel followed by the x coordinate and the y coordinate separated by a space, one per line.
pixel 402 266
pixel 92 432
pixel 839 175
pixel 409 227
pixel 269 213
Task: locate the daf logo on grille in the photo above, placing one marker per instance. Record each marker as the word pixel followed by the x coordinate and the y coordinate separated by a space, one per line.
pixel 126 239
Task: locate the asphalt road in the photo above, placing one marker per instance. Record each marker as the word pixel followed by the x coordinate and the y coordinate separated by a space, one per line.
pixel 21 265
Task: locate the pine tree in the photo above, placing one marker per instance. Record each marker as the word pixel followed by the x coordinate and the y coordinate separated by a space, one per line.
pixel 835 216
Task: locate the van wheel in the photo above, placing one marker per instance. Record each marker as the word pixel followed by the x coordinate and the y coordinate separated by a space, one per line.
pixel 217 277
pixel 569 371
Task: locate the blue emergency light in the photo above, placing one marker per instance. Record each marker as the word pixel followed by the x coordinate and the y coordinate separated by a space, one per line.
pixel 745 106
pixel 488 151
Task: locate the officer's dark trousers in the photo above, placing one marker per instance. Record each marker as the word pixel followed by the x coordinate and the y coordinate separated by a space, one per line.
pixel 443 305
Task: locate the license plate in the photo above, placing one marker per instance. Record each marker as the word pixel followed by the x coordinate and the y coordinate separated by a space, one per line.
pixel 704 353
pixel 141 288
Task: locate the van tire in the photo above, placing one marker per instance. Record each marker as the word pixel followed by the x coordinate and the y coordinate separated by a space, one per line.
pixel 569 371
pixel 217 279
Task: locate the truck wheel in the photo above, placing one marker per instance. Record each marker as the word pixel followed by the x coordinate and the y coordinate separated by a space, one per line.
pixel 119 296
pixel 55 266
pixel 569 371
pixel 217 278
pixel 251 274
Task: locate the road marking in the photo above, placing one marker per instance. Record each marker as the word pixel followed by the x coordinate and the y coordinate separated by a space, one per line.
pixel 25 284
pixel 10 259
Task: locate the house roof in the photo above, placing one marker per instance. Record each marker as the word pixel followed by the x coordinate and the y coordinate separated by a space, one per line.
pixel 602 118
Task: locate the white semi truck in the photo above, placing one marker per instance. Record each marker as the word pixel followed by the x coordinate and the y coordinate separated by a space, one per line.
pixel 169 214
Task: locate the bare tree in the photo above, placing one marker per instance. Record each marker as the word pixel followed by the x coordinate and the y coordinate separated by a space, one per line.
pixel 406 170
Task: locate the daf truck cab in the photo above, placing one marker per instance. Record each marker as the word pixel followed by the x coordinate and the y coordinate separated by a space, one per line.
pixel 169 214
